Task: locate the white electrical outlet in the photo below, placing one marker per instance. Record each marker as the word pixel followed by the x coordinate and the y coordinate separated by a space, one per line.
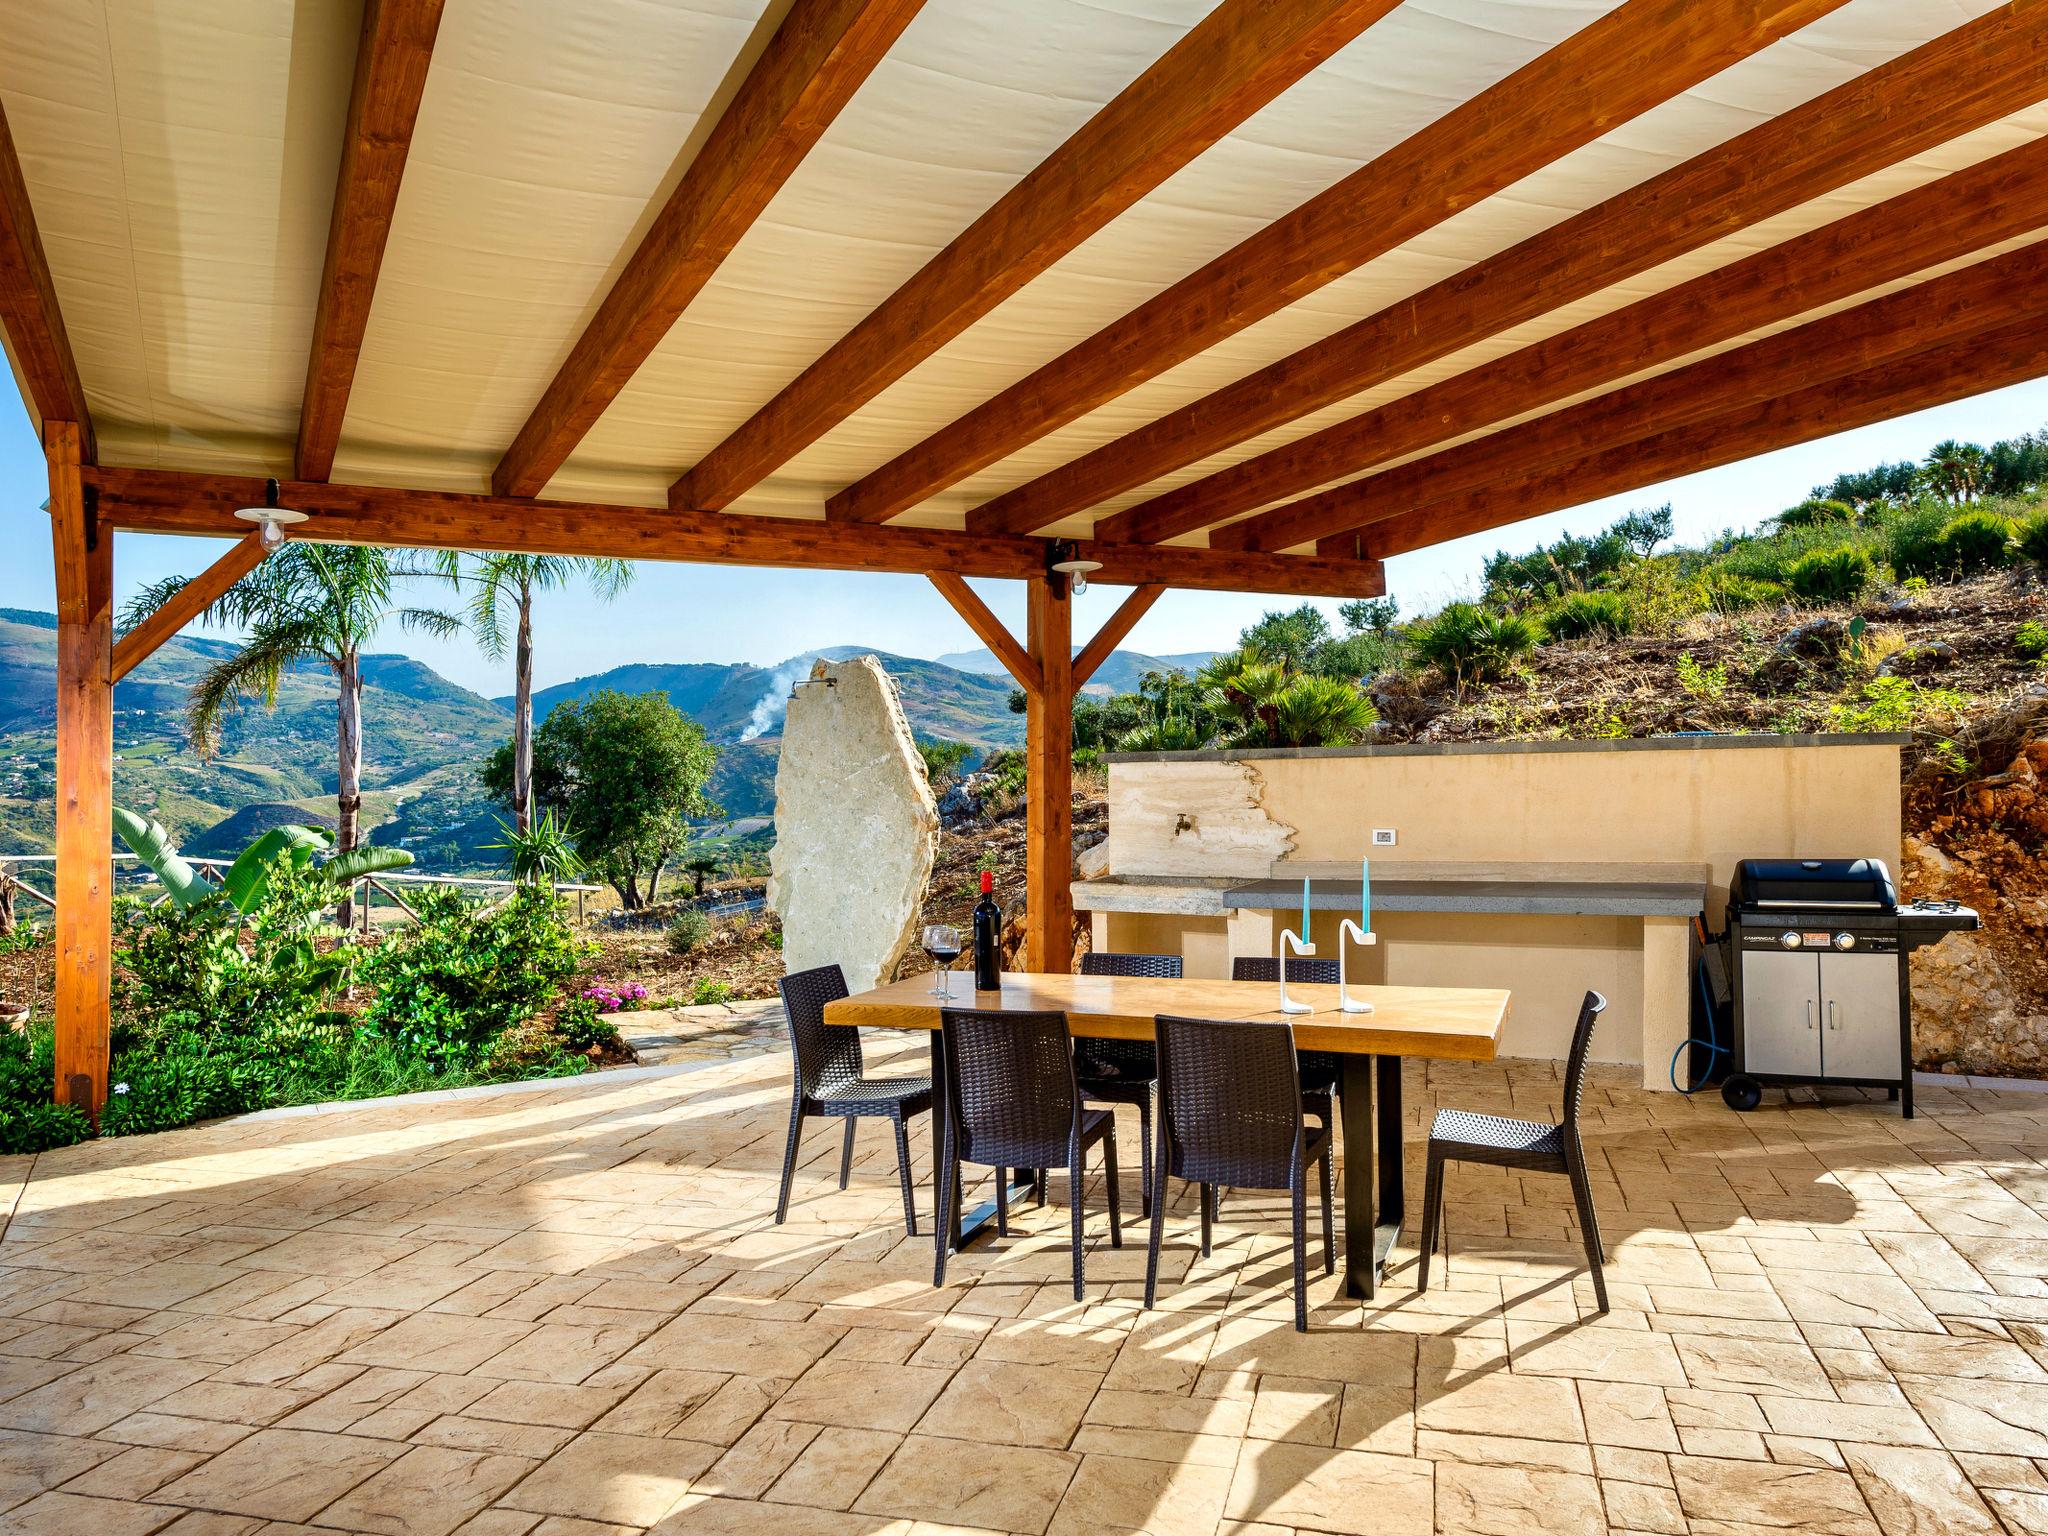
pixel 1383 837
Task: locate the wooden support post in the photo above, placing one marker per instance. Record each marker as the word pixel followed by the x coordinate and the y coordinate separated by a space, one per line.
pixel 1049 777
pixel 85 776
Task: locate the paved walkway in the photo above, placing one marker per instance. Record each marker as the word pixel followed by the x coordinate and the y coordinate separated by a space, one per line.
pixel 565 1312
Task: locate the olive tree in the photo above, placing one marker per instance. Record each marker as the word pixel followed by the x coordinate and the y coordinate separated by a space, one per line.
pixel 625 771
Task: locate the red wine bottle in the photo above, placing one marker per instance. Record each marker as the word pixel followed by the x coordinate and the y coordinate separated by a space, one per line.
pixel 988 938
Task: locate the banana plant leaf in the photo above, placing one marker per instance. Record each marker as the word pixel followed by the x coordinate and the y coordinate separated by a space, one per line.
pixel 248 878
pixel 150 843
pixel 358 863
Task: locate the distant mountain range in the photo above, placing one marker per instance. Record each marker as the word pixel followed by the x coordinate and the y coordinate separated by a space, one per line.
pixel 1119 674
pixel 424 737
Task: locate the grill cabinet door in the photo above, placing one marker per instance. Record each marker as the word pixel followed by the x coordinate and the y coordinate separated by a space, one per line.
pixel 1781 1012
pixel 1860 1015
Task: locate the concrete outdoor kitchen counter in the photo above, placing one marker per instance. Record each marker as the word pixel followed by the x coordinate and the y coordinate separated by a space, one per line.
pixel 1560 897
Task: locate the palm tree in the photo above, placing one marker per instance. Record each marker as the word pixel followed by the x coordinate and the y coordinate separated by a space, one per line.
pixel 1954 470
pixel 496 580
pixel 306 603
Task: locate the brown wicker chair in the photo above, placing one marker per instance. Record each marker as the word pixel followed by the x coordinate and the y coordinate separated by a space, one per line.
pixel 831 1080
pixel 1230 1112
pixel 1125 1071
pixel 1322 1072
pixel 1457 1135
pixel 1012 1102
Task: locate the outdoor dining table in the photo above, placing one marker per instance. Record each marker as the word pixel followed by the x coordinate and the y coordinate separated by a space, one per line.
pixel 1443 1023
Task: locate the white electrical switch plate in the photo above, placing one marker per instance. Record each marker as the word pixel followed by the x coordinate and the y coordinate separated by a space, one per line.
pixel 1383 837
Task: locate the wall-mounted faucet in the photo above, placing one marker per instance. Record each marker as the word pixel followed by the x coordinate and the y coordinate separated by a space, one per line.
pixel 1289 939
pixel 1349 933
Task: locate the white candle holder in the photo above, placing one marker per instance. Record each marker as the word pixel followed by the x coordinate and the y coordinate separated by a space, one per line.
pixel 1290 939
pixel 1356 935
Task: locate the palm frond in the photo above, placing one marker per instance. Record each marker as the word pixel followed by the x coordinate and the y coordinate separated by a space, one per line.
pixel 431 621
pixel 149 599
pixel 252 672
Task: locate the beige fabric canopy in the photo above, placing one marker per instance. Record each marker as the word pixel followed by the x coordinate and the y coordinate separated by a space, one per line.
pixel 181 160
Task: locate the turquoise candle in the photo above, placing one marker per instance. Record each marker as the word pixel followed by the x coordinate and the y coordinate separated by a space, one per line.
pixel 1304 911
pixel 1365 894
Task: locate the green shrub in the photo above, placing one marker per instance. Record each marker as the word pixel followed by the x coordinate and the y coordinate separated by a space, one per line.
pixel 1580 614
pixel 1816 511
pixel 579 1028
pixel 710 990
pixel 458 976
pixel 1912 541
pixel 1897 704
pixel 1319 712
pixel 1470 643
pixel 1705 683
pixel 2031 643
pixel 29 1122
pixel 2030 538
pixel 1725 591
pixel 1974 542
pixel 688 930
pixel 1830 575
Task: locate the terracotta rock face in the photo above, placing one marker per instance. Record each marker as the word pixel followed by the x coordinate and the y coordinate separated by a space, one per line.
pixel 856 829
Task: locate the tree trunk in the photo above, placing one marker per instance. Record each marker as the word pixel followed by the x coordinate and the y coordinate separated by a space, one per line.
pixel 348 764
pixel 7 885
pixel 348 752
pixel 627 884
pixel 654 883
pixel 522 716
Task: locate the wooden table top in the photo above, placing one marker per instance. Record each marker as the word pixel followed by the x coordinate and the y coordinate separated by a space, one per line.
pixel 1456 1023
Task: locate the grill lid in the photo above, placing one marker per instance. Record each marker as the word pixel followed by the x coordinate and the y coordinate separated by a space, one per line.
pixel 1812 885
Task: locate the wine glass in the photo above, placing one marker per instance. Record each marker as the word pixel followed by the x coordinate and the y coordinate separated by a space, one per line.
pixel 942 944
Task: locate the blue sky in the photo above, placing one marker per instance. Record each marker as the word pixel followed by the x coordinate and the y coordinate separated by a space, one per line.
pixel 707 613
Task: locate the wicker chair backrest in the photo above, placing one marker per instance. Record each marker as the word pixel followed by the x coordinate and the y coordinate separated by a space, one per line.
pixel 827 1056
pixel 1230 1101
pixel 1010 1081
pixel 1308 971
pixel 1109 963
pixel 1575 1066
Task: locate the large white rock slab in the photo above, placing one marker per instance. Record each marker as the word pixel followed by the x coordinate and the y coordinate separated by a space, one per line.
pixel 856 829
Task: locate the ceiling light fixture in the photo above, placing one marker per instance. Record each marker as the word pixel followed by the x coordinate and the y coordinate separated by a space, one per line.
pixel 1071 566
pixel 273 518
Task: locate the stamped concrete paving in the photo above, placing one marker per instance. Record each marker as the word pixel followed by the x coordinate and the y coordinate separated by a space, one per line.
pixel 565 1312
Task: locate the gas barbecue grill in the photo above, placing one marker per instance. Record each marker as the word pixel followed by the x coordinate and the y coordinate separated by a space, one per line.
pixel 1818 951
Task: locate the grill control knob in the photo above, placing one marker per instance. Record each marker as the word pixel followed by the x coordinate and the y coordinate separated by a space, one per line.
pixel 1789 941
pixel 1845 941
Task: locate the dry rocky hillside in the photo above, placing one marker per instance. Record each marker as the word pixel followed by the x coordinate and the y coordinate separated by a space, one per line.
pixel 1975 796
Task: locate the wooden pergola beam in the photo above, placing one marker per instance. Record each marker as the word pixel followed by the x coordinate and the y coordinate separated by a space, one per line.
pixel 1235 61
pixel 1635 57
pixel 991 630
pixel 1935 314
pixel 391 76
pixel 172 501
pixel 1115 628
pixel 819 56
pixel 1960 81
pixel 29 316
pixel 2014 354
pixel 186 604
pixel 1975 209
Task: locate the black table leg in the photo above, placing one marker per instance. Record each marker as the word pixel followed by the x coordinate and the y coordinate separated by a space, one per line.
pixel 1392 1193
pixel 1373 1194
pixel 964 1227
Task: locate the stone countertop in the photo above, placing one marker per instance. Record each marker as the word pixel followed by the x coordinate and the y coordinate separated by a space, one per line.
pixel 1568 898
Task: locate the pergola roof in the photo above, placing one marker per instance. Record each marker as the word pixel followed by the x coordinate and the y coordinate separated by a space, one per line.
pixel 919 257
